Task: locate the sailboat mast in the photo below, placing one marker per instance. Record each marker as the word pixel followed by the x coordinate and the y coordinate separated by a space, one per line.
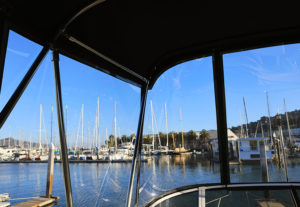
pixel 269 116
pixel 51 124
pixel 9 138
pixel 88 136
pixel 98 121
pixel 166 112
pixel 262 130
pixel 106 134
pixel 95 130
pixel 256 129
pixel 40 139
pixel 152 124
pixel 82 108
pixel 287 120
pixel 116 144
pixel 246 116
pixel 66 121
pixel 181 127
pixel 241 123
pixel 22 139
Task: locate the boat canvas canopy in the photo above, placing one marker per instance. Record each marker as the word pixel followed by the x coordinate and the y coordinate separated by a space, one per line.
pixel 137 41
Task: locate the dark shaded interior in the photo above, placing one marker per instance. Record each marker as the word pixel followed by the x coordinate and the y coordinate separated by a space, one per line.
pixel 148 37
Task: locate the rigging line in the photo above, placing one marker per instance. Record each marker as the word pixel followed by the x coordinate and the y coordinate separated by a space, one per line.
pixel 102 184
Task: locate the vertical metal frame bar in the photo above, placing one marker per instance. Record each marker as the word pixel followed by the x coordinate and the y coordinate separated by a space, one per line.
pixel 137 148
pixel 295 196
pixel 62 133
pixel 21 87
pixel 4 32
pixel 221 116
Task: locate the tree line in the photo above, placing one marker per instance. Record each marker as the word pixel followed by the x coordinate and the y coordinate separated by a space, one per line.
pixel 262 125
pixel 192 140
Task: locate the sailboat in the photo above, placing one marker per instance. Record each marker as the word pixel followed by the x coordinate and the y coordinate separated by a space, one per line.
pixel 41 155
pixel 80 154
pixel 165 149
pixel 118 154
pixel 250 147
pixel 181 149
pixel 293 145
pixel 153 151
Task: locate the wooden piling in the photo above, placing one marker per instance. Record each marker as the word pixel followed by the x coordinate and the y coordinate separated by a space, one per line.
pixel 264 165
pixel 50 171
pixel 238 151
pixel 263 161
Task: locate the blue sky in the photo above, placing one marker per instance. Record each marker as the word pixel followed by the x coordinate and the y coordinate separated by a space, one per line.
pixel 252 73
pixel 188 85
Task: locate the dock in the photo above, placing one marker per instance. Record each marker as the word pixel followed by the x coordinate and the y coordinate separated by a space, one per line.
pixel 37 202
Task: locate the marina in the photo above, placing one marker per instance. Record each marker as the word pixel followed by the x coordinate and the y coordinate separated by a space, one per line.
pixel 106 183
pixel 127 103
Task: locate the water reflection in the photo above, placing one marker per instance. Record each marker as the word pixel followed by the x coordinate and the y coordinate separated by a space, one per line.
pixel 163 173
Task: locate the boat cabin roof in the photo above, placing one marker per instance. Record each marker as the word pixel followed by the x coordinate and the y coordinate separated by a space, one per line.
pixel 253 139
pixel 136 41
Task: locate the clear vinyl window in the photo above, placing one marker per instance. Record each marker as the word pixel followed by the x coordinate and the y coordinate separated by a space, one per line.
pixel 262 88
pixel 180 144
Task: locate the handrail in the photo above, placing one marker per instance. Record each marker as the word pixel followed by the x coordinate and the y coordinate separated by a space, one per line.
pixel 238 186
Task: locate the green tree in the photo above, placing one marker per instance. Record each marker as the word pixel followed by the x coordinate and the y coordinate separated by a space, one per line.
pixel 191 138
pixel 147 139
pixel 163 138
pixel 124 138
pixel 204 136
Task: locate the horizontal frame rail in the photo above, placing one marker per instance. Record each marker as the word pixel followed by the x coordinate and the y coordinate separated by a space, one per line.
pixel 239 186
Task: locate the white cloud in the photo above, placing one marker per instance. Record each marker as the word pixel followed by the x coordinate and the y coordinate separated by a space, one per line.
pixel 290 71
pixel 23 54
pixel 176 80
pixel 135 89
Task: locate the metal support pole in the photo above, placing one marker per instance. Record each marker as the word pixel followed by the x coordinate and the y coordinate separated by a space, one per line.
pixel 4 32
pixel 221 116
pixel 137 148
pixel 21 87
pixel 62 133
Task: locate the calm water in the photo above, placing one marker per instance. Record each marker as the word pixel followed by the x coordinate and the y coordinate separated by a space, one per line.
pixel 106 184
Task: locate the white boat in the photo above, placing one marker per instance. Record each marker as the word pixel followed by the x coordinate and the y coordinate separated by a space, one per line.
pixel 127 145
pixel 4 204
pixel 250 149
pixel 7 154
pixel 117 157
pixel 72 155
pixel 155 152
pixel 4 197
pixel 89 155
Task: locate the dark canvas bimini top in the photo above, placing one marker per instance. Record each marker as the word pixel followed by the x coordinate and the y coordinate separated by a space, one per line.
pixel 148 37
